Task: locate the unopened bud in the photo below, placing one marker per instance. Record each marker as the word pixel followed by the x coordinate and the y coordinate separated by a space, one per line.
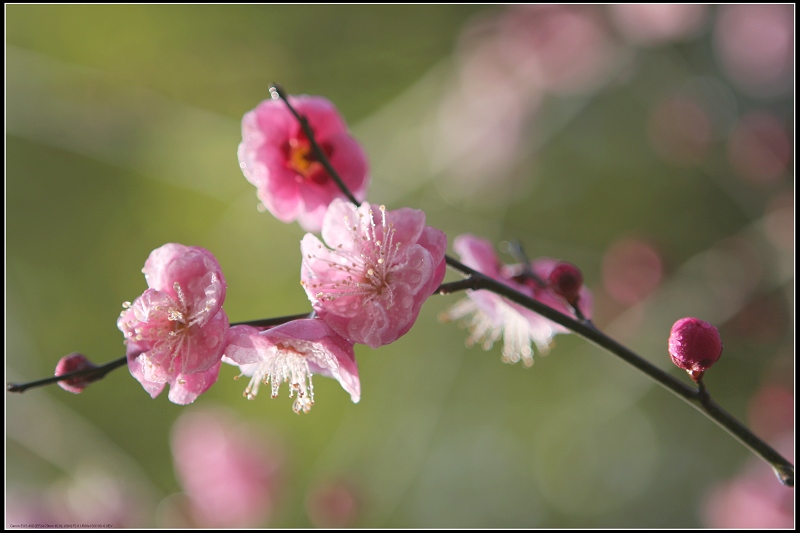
pixel 567 280
pixel 694 345
pixel 72 363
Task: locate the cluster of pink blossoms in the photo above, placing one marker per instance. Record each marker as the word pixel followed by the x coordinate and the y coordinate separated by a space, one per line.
pixel 366 279
pixel 368 289
pixel 177 333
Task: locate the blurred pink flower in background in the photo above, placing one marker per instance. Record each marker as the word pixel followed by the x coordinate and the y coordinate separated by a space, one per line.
pixel 276 156
pixel 771 411
pixel 631 270
pixel 91 495
pixel 680 131
pixel 507 63
pixel 759 148
pixel 563 48
pixel 175 331
pixel 652 24
pixel 755 44
pixel 293 353
pixel 332 504
pixel 230 471
pixel 779 220
pixel 755 499
pixel 369 286
pixel 490 317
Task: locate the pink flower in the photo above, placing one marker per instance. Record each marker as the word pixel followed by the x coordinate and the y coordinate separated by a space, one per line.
pixel 175 331
pixel 490 317
pixel 381 266
pixel 277 157
pixel 333 504
pixel 293 352
pixel 230 471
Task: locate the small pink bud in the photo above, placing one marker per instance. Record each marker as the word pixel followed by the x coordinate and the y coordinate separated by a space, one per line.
pixel 694 345
pixel 566 280
pixel 72 363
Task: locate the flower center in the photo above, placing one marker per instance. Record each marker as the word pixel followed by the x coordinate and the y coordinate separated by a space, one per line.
pixel 368 266
pixel 300 158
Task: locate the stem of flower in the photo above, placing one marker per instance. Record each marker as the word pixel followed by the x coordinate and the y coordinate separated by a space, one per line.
pixel 277 92
pixel 519 255
pixel 276 321
pixel 699 399
pixel 99 372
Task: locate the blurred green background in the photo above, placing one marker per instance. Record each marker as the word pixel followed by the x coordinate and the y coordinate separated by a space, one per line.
pixel 567 130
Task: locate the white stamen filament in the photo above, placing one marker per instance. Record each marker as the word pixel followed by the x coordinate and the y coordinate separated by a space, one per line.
pixel 369 265
pixel 513 328
pixel 284 365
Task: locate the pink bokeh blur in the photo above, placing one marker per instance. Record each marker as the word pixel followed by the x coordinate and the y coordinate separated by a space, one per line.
pixel 229 470
pixel 754 499
pixel 755 45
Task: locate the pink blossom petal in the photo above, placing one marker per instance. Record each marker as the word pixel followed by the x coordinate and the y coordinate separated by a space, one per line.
pixel 135 366
pixel 187 387
pixel 339 220
pixel 280 190
pixel 371 325
pixel 477 254
pixel 204 345
pixel 414 270
pixel 435 242
pixel 327 121
pixel 407 224
pixel 245 345
pixel 194 269
pixel 270 119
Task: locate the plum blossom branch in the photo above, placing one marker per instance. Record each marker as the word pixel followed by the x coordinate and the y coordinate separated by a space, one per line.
pixel 96 373
pixel 699 398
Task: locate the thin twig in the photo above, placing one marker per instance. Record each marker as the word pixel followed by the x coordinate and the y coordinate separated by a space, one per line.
pixel 99 372
pixel 697 398
pixel 95 372
pixel 277 92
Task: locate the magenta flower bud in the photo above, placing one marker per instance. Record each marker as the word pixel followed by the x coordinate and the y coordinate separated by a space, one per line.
pixel 567 280
pixel 72 363
pixel 694 345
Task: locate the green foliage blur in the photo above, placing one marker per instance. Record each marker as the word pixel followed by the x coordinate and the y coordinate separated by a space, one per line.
pixel 121 135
